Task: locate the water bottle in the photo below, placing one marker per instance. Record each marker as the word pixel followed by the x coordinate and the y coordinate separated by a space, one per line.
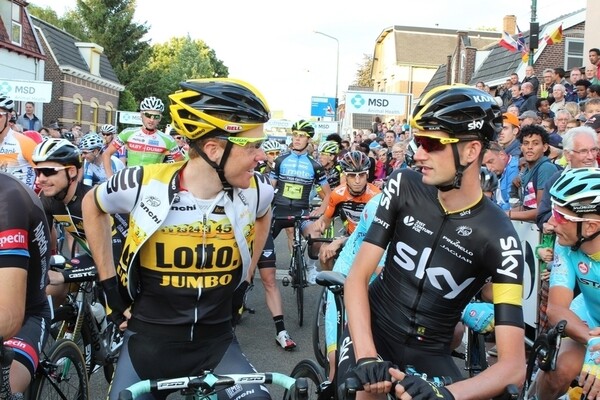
pixel 99 314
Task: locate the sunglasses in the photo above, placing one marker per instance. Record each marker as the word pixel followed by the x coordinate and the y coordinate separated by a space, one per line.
pixel 106 134
pixel 357 175
pixel 431 143
pixel 48 171
pixel 247 142
pixel 562 218
pixel 300 134
pixel 153 116
pixel 272 153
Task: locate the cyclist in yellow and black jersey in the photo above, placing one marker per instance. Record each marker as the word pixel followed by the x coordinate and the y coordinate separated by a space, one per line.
pixel 272 149
pixel 195 229
pixel 328 154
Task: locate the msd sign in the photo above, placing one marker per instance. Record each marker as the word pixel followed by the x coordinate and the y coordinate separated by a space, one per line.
pixel 34 91
pixel 377 103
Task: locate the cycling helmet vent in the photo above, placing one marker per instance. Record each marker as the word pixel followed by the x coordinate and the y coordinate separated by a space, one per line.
pixel 91 141
pixel 578 189
pixel 220 104
pixel 57 150
pixel 108 128
pixel 304 126
pixel 152 104
pixel 329 147
pixel 6 102
pixel 355 161
pixel 271 145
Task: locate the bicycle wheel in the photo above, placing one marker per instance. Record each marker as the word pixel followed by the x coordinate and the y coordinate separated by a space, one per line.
pixel 300 282
pixel 318 331
pixel 314 374
pixel 62 374
pixel 476 360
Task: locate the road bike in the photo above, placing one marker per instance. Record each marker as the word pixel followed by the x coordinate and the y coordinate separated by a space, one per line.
pixel 298 268
pixel 208 385
pixel 99 339
pixel 61 374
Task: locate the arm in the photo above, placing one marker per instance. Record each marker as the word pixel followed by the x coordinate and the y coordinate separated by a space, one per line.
pixel 262 229
pixel 527 215
pixel 325 193
pixel 98 231
pixel 13 286
pixel 110 150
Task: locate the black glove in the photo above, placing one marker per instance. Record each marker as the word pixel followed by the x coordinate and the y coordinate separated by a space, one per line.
pixel 370 370
pixel 114 300
pixel 420 389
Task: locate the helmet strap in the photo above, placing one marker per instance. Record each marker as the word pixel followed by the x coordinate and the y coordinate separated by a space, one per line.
pixel 580 239
pixel 219 168
pixel 460 169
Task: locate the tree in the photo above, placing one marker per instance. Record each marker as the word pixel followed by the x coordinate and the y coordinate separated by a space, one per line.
pixel 363 73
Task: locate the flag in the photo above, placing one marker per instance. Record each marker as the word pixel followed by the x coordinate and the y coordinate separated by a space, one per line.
pixel 555 36
pixel 508 42
pixel 522 47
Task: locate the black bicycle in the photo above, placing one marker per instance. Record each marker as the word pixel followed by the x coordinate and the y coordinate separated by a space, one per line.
pixel 298 266
pixel 207 385
pixel 61 374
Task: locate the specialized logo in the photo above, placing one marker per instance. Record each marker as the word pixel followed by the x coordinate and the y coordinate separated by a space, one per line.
pixel 464 230
pixel 13 239
pixel 357 101
pixel 416 225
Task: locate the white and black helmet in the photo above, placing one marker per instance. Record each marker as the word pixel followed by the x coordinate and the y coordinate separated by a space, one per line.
pixel 108 128
pixel 91 141
pixel 6 102
pixel 271 145
pixel 152 104
pixel 57 150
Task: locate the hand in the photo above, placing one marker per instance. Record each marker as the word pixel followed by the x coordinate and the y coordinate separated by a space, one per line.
pixel 56 278
pixel 374 374
pixel 420 389
pixel 547 228
pixel 329 250
pixel 479 317
pixel 546 254
pixel 589 378
pixel 119 312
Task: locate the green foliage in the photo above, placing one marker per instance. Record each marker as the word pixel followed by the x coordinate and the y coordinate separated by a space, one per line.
pixel 363 73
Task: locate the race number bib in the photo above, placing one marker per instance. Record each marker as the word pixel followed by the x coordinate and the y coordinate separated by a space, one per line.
pixel 292 191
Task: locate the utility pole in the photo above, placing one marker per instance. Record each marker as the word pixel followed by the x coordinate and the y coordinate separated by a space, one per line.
pixel 534 32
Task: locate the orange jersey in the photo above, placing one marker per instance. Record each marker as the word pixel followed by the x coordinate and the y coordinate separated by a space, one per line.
pixel 347 206
pixel 15 157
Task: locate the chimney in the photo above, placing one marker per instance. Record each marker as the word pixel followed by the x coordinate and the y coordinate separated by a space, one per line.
pixel 509 24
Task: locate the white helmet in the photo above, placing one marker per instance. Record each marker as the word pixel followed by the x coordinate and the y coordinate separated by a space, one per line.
pixel 152 104
pixel 91 141
pixel 108 128
pixel 271 145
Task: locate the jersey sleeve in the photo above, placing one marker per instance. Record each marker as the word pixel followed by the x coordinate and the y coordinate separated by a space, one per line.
pixel 563 273
pixel 120 193
pixel 14 230
pixel 173 149
pixel 266 192
pixel 320 174
pixel 334 200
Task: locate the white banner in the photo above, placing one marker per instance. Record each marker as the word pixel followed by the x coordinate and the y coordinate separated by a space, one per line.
pixel 34 91
pixel 128 117
pixel 376 103
pixel 325 128
pixel 530 239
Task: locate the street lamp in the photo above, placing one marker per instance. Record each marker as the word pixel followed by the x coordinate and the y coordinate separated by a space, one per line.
pixel 337 69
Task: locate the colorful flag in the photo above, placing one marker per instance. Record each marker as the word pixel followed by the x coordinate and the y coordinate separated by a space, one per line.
pixel 508 42
pixel 555 36
pixel 522 47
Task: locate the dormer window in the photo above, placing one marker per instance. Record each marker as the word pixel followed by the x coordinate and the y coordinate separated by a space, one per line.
pixel 16 31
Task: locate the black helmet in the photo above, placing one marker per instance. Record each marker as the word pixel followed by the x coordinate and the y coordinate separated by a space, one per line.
pixel 304 126
pixel 355 161
pixel 459 110
pixel 488 180
pixel 57 150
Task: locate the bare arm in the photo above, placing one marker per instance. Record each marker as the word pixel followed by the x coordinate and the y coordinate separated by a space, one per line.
pixel 13 284
pixel 262 229
pixel 99 236
pixel 324 193
pixel 357 299
pixel 559 300
pixel 110 150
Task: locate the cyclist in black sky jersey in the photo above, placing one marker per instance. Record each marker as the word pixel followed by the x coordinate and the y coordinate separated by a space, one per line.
pixel 445 239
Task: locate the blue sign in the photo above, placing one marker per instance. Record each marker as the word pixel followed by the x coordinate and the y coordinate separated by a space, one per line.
pixel 322 106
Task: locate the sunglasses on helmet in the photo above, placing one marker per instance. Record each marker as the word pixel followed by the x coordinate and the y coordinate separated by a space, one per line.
pixel 49 171
pixel 562 218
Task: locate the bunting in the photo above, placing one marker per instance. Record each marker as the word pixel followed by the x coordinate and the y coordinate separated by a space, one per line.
pixel 522 47
pixel 555 36
pixel 508 42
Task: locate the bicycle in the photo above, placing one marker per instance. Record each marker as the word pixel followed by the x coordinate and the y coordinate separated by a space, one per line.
pixel 74 319
pixel 60 374
pixel 298 266
pixel 207 385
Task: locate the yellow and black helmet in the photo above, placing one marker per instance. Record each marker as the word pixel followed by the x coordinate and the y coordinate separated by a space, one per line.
pixel 304 126
pixel 218 105
pixel 458 110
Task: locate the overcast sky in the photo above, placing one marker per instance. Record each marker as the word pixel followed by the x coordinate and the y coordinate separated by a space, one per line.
pixel 272 44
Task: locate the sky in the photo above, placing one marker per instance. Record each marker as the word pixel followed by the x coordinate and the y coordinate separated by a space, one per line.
pixel 272 44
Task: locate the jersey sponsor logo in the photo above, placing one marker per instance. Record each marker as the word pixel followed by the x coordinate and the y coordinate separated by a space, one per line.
pixel 456 246
pixel 381 222
pixel 144 148
pixel 184 208
pixel 416 225
pixel 127 178
pixel 583 268
pixel 483 99
pixel 233 128
pixel 153 201
pixel 39 237
pixel 150 213
pixel 391 189
pixel 14 239
pixel 464 230
pixel 588 282
pixel 205 257
pixel 510 251
pixel 405 258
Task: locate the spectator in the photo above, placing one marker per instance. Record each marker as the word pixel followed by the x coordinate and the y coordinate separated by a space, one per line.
pixel 594 90
pixel 543 108
pixel 398 156
pixel 590 74
pixel 592 107
pixel 54 130
pixel 517 99
pixel 546 87
pixel 558 93
pixel 594 57
pixel 512 109
pixel 574 76
pixel 506 167
pixel 531 78
pixel 29 120
pixel 528 118
pixel 529 98
pixel 561 120
pixel 508 138
pixel 549 125
pixel 581 88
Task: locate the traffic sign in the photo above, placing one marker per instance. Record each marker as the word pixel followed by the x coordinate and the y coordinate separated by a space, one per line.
pixel 322 106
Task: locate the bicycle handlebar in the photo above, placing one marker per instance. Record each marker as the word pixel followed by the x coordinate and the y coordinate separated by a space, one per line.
pixel 207 383
pixel 296 217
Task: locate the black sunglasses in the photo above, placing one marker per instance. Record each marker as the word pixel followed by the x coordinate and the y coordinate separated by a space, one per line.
pixel 49 171
pixel 152 116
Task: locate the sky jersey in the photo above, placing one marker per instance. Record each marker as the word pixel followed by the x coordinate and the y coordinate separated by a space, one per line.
pixel 295 175
pixel 145 148
pixel 15 157
pixel 24 238
pixel 437 262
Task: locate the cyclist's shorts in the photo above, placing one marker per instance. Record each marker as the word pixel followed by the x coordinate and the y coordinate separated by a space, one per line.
pixel 29 341
pixel 267 257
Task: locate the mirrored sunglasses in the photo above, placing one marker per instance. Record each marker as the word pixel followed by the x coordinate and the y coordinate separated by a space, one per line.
pixel 48 171
pixel 153 116
pixel 247 142
pixel 562 218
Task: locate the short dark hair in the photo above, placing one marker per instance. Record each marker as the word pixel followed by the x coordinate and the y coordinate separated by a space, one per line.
pixel 595 50
pixel 560 72
pixel 334 137
pixel 534 129
pixel 594 88
pixel 583 82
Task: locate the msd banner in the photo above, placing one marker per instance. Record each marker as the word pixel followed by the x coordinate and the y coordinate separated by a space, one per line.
pixel 377 103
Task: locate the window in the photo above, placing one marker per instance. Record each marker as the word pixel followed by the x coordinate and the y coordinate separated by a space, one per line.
pixel 16 32
pixel 78 109
pixel 94 111
pixel 573 53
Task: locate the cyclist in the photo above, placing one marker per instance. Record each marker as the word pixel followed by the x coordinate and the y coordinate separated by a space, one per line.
pixel 445 239
pixel 57 166
pixel 93 168
pixel 24 259
pixel 108 132
pixel 347 201
pixel 272 149
pixel 195 227
pixel 147 144
pixel 328 151
pixel 15 148
pixel 576 222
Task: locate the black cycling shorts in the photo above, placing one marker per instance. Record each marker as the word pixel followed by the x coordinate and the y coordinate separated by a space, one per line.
pixel 267 258
pixel 281 211
pixel 145 355
pixel 29 341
